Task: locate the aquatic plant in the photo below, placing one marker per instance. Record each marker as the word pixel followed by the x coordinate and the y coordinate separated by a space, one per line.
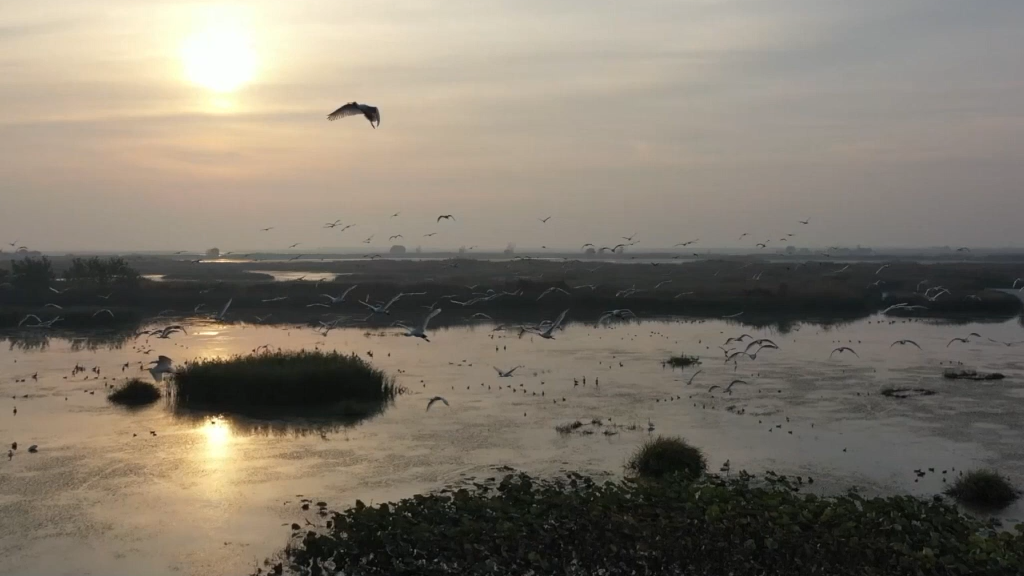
pixel 134 392
pixel 743 526
pixel 568 427
pixel 683 360
pixel 901 393
pixel 952 374
pixel 663 456
pixel 281 379
pixel 983 489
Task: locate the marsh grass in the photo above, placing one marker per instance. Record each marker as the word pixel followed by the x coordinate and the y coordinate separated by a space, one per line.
pixel 983 489
pixel 683 360
pixel 135 392
pixel 663 456
pixel 271 381
pixel 569 427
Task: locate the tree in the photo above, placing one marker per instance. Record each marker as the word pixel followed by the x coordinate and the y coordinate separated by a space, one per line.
pixel 213 253
pixel 790 249
pixel 397 249
pixel 35 273
pixel 100 272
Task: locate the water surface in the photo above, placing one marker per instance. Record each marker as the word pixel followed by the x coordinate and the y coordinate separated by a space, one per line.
pixel 215 494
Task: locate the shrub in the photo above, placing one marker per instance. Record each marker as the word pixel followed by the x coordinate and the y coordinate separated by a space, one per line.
pixel 100 271
pixel 740 526
pixel 303 379
pixel 983 489
pixel 662 456
pixel 135 392
pixel 683 360
pixel 32 272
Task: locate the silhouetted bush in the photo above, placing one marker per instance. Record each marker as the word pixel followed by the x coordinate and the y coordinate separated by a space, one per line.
pixel 667 455
pixel 983 488
pixel 135 392
pixel 281 379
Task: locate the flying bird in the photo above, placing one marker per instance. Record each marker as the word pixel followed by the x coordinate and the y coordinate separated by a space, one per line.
pixel 506 373
pixel 690 381
pixel 842 349
pixel 880 268
pixel 27 316
pixel 395 237
pixel 354 108
pixel 629 238
pixel 544 220
pixel 437 399
pixel 445 217
pixel 268 229
pixel 339 299
pixel 429 235
pixel 904 343
pixel 162 366
pixel 98 312
pixel 421 332
pixel 804 221
pixel 550 290
pixel 549 332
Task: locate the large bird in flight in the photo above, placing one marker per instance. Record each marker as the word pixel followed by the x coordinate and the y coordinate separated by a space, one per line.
pixel 353 108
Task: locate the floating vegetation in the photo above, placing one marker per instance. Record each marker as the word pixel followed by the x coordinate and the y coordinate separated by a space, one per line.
pixel 743 526
pixel 135 392
pixel 983 489
pixel 276 380
pixel 971 375
pixel 893 392
pixel 682 361
pixel 568 428
pixel 663 456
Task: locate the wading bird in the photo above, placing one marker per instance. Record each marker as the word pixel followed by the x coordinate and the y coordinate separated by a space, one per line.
pixel 354 109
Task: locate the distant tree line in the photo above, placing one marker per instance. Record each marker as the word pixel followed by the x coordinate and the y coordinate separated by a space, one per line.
pixel 38 273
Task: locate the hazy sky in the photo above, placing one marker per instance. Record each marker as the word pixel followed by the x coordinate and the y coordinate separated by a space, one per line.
pixel 184 125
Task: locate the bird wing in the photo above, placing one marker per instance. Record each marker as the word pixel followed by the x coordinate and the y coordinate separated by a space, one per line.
pixel 225 309
pixel 558 321
pixel 690 381
pixel 713 387
pixel 372 114
pixel 345 293
pixel 350 109
pixel 498 370
pixel 429 317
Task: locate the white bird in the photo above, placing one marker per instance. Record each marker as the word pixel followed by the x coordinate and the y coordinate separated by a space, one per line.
pixel 550 290
pixel 51 305
pixel 437 399
pixel 549 332
pixel 354 108
pixel 421 332
pixel 162 365
pixel 224 310
pixel 27 316
pixel 55 291
pixel 480 315
pixel 736 315
pixel 662 283
pixel 620 313
pixel 275 299
pixel 339 299
pixel 383 308
pixel 506 373
pixel 882 267
pixel 98 312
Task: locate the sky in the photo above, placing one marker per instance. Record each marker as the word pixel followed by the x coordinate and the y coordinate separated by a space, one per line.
pixel 162 125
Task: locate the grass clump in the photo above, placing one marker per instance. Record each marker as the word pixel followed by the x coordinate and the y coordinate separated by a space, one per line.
pixel 134 392
pixel 983 489
pixel 569 427
pixel 663 456
pixel 302 379
pixel 743 526
pixel 683 361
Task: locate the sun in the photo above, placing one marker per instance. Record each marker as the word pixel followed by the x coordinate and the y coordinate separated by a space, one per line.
pixel 219 57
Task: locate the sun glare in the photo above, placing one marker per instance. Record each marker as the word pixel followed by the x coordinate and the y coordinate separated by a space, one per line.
pixel 219 57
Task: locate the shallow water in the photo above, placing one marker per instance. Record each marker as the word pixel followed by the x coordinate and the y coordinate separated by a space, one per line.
pixel 216 495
